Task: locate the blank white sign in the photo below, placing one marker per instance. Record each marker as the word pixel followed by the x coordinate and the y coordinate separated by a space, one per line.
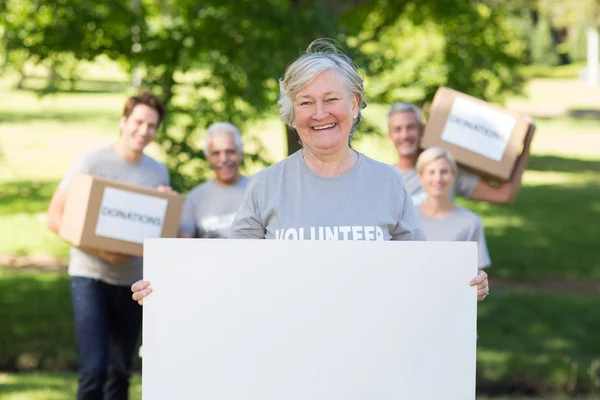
pixel 310 320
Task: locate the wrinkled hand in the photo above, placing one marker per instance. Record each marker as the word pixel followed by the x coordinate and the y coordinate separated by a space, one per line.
pixel 481 281
pixel 140 290
pixel 114 258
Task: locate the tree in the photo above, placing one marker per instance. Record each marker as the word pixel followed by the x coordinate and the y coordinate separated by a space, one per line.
pixel 215 60
pixel 543 51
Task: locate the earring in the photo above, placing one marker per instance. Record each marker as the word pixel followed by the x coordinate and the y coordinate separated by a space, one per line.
pixel 354 117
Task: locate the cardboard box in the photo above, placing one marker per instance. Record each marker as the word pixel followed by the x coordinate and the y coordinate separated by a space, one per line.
pixel 481 136
pixel 108 215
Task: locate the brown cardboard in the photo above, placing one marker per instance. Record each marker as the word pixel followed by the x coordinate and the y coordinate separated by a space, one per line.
pixel 441 108
pixel 82 211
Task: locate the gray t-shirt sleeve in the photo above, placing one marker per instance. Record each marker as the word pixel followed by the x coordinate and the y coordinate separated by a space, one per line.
pixel 479 237
pixel 188 217
pixel 247 223
pixel 166 175
pixel 466 183
pixel 409 227
pixel 83 165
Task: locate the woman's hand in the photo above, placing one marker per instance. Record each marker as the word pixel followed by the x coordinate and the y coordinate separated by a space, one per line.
pixel 140 290
pixel 481 281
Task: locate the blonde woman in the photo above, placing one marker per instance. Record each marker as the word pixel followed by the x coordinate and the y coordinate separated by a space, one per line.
pixel 440 218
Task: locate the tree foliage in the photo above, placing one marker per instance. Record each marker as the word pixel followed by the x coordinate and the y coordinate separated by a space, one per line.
pixel 213 60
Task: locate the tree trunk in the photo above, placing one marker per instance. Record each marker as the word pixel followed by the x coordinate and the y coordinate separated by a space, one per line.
pixel 293 141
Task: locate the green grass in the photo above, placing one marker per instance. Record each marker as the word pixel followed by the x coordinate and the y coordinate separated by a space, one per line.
pixel 49 386
pixel 62 386
pixel 539 340
pixel 37 321
pixel 543 340
pixel 545 71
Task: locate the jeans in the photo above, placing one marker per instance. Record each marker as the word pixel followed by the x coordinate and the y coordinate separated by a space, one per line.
pixel 107 325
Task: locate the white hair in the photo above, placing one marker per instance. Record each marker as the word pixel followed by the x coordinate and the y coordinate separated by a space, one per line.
pixel 321 55
pixel 433 154
pixel 223 128
pixel 406 107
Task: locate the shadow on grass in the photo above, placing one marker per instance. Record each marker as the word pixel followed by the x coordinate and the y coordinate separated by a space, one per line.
pixel 538 343
pixel 37 321
pixel 585 114
pixel 29 197
pixel 56 385
pixel 89 86
pixel 561 164
pixel 550 232
pixel 54 116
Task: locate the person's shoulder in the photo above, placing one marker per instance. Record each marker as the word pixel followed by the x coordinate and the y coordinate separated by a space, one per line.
pixel 94 157
pixel 153 163
pixel 469 215
pixel 243 181
pixel 465 173
pixel 99 153
pixel 381 168
pixel 276 169
pixel 200 189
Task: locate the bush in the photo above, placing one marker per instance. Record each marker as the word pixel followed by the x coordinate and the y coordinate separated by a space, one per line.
pixel 577 43
pixel 543 50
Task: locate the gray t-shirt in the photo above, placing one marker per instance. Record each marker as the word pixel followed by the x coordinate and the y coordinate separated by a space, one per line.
pixel 210 208
pixel 461 225
pixel 106 163
pixel 288 201
pixel 465 184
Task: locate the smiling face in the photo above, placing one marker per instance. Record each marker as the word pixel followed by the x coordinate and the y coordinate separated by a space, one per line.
pixel 405 133
pixel 324 112
pixel 437 178
pixel 139 128
pixel 224 158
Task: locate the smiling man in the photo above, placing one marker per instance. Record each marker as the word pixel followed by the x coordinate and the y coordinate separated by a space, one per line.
pixel 405 128
pixel 210 208
pixel 107 324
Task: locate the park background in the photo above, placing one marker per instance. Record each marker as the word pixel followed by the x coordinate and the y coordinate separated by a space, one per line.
pixel 67 66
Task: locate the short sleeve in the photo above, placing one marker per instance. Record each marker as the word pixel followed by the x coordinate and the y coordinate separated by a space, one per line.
pixel 466 183
pixel 247 223
pixel 82 166
pixel 167 176
pixel 479 237
pixel 188 217
pixel 408 227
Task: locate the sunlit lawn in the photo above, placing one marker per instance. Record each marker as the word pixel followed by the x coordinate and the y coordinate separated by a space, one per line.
pixel 549 233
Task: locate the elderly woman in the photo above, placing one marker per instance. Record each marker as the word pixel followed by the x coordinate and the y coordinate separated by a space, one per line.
pixel 440 218
pixel 326 190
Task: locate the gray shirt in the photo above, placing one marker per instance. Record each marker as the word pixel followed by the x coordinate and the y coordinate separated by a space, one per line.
pixel 209 209
pixel 106 163
pixel 288 201
pixel 465 184
pixel 461 225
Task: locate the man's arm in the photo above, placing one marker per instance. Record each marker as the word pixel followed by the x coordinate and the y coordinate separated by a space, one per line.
pixel 505 193
pixel 56 209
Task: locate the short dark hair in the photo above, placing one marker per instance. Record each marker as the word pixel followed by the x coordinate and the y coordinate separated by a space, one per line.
pixel 147 98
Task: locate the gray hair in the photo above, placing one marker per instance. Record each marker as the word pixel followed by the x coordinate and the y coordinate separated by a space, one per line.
pixel 321 55
pixel 433 154
pixel 406 107
pixel 223 128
